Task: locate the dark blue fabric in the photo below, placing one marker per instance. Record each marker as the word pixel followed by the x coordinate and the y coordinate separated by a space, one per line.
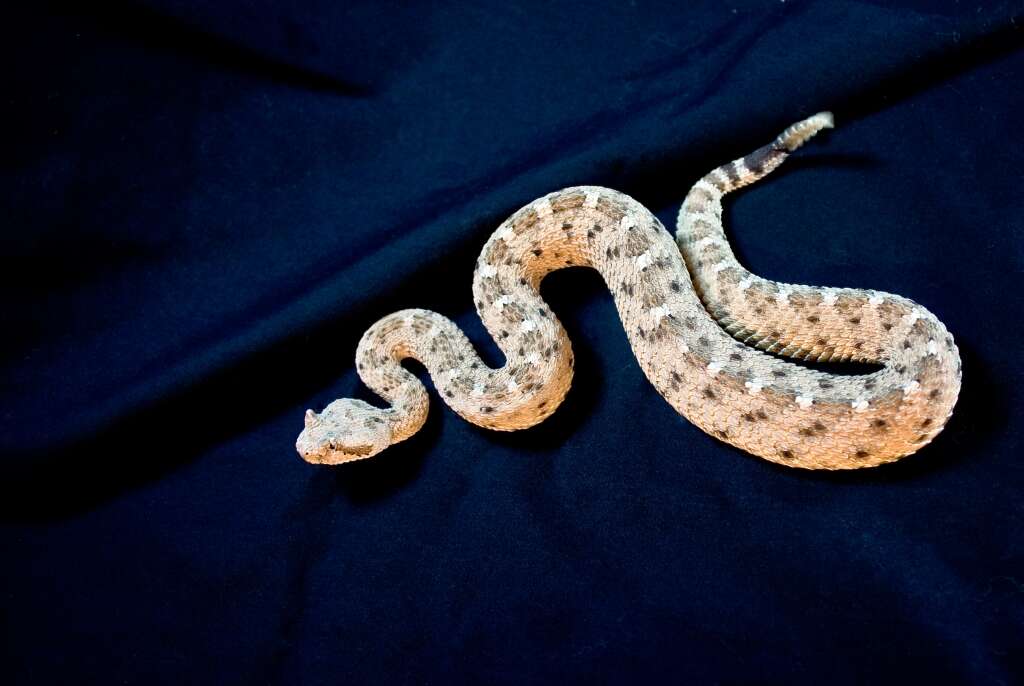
pixel 206 204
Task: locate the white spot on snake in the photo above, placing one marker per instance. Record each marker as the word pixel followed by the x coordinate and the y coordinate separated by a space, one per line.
pixel 804 401
pixel 719 266
pixel 875 300
pixel 932 348
pixel 714 368
pixel 708 188
pixel 528 325
pixel 487 270
pixel 543 208
pixel 704 242
pixel 590 199
pixel 830 298
pixel 754 386
pixel 643 261
pixel 512 386
pixel 502 301
pixel 506 234
pixel 683 347
pixel 532 358
pixel 860 404
pixel 709 216
pixel 911 317
pixel 658 313
pixel 478 390
pixel 747 282
pixel 782 297
pixel 911 388
pixel 627 222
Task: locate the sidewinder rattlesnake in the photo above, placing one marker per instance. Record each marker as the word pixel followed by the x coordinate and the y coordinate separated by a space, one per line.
pixel 704 343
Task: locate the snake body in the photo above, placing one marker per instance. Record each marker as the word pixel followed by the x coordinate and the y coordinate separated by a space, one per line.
pixel 703 342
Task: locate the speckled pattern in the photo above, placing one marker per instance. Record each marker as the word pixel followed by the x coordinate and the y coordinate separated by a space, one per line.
pixel 704 342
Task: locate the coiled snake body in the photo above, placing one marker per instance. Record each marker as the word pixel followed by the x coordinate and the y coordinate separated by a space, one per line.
pixel 703 343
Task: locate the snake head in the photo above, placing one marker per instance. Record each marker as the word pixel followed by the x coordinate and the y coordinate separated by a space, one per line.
pixel 346 430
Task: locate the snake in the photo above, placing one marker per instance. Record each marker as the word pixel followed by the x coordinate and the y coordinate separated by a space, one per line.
pixel 726 348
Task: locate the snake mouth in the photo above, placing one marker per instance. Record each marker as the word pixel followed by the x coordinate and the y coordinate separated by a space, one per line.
pixel 336 453
pixel 330 454
pixel 352 450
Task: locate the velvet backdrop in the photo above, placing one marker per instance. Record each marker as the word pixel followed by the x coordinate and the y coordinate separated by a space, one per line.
pixel 206 204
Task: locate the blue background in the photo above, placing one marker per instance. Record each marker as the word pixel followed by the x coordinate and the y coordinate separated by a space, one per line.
pixel 206 204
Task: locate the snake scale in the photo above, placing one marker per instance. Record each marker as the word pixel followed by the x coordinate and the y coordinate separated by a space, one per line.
pixel 710 336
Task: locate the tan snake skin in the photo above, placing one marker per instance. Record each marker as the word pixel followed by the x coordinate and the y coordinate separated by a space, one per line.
pixel 711 368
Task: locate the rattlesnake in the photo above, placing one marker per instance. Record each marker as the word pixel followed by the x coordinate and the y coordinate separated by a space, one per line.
pixel 704 343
